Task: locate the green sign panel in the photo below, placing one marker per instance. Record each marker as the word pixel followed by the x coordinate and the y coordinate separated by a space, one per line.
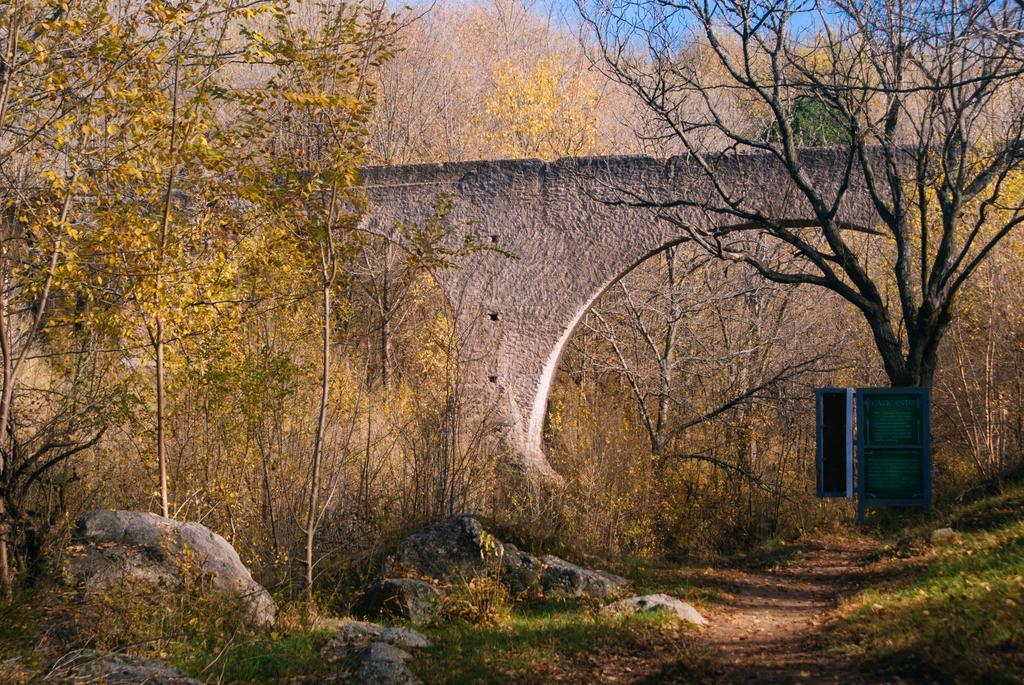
pixel 894 446
pixel 893 474
pixel 893 420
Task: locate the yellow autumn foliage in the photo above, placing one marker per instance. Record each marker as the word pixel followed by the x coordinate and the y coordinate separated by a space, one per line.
pixel 541 110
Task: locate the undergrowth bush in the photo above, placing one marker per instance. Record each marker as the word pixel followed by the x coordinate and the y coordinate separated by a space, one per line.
pixel 482 600
pixel 192 626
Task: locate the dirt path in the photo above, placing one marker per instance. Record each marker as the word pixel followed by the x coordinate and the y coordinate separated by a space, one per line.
pixel 769 629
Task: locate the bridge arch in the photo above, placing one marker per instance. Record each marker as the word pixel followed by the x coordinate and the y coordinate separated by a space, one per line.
pixel 559 242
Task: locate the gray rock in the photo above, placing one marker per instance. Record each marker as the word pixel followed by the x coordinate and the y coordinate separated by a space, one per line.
pixel 659 602
pixel 354 636
pixel 113 549
pixel 404 638
pixel 417 601
pixel 520 571
pixel 452 549
pixel 458 549
pixel 563 579
pixel 88 666
pixel 351 636
pixel 943 536
pixel 384 664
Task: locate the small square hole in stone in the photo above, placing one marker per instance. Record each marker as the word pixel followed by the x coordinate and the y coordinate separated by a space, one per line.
pixel 492 379
pixel 494 238
pixel 494 316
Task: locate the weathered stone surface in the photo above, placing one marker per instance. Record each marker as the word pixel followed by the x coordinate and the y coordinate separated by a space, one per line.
pixel 563 579
pixel 658 602
pixel 520 571
pixel 88 666
pixel 384 664
pixel 943 536
pixel 417 601
pixel 351 636
pixel 355 636
pixel 460 548
pixel 443 551
pixel 120 548
pixel 404 638
pixel 514 316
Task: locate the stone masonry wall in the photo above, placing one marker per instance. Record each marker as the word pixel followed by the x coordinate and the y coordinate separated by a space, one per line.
pixel 570 241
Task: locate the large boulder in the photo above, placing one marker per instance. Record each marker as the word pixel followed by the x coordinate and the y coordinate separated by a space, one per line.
pixel 115 549
pixel 459 548
pixel 655 603
pixel 442 551
pixel 417 601
pixel 520 571
pixel 88 666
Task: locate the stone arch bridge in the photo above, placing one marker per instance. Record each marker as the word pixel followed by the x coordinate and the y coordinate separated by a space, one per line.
pixel 569 241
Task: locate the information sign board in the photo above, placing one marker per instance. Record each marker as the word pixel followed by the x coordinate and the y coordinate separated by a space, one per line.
pixel 894 447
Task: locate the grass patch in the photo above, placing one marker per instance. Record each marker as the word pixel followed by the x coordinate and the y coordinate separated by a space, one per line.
pixel 541 642
pixel 953 612
pixel 258 658
pixel 20 641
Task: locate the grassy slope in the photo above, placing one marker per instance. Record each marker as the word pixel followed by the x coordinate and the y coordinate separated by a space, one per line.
pixel 539 643
pixel 568 640
pixel 953 612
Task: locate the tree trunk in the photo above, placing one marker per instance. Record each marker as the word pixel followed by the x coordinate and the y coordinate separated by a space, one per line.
pixel 5 403
pixel 5 566
pixel 318 440
pixel 666 360
pixel 158 339
pixel 268 490
pixel 385 320
pixel 161 454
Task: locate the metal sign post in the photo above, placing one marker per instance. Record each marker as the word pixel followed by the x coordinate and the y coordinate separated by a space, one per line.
pixel 835 441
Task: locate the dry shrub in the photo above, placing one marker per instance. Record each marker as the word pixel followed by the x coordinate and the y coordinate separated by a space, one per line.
pixel 482 600
pixel 152 621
